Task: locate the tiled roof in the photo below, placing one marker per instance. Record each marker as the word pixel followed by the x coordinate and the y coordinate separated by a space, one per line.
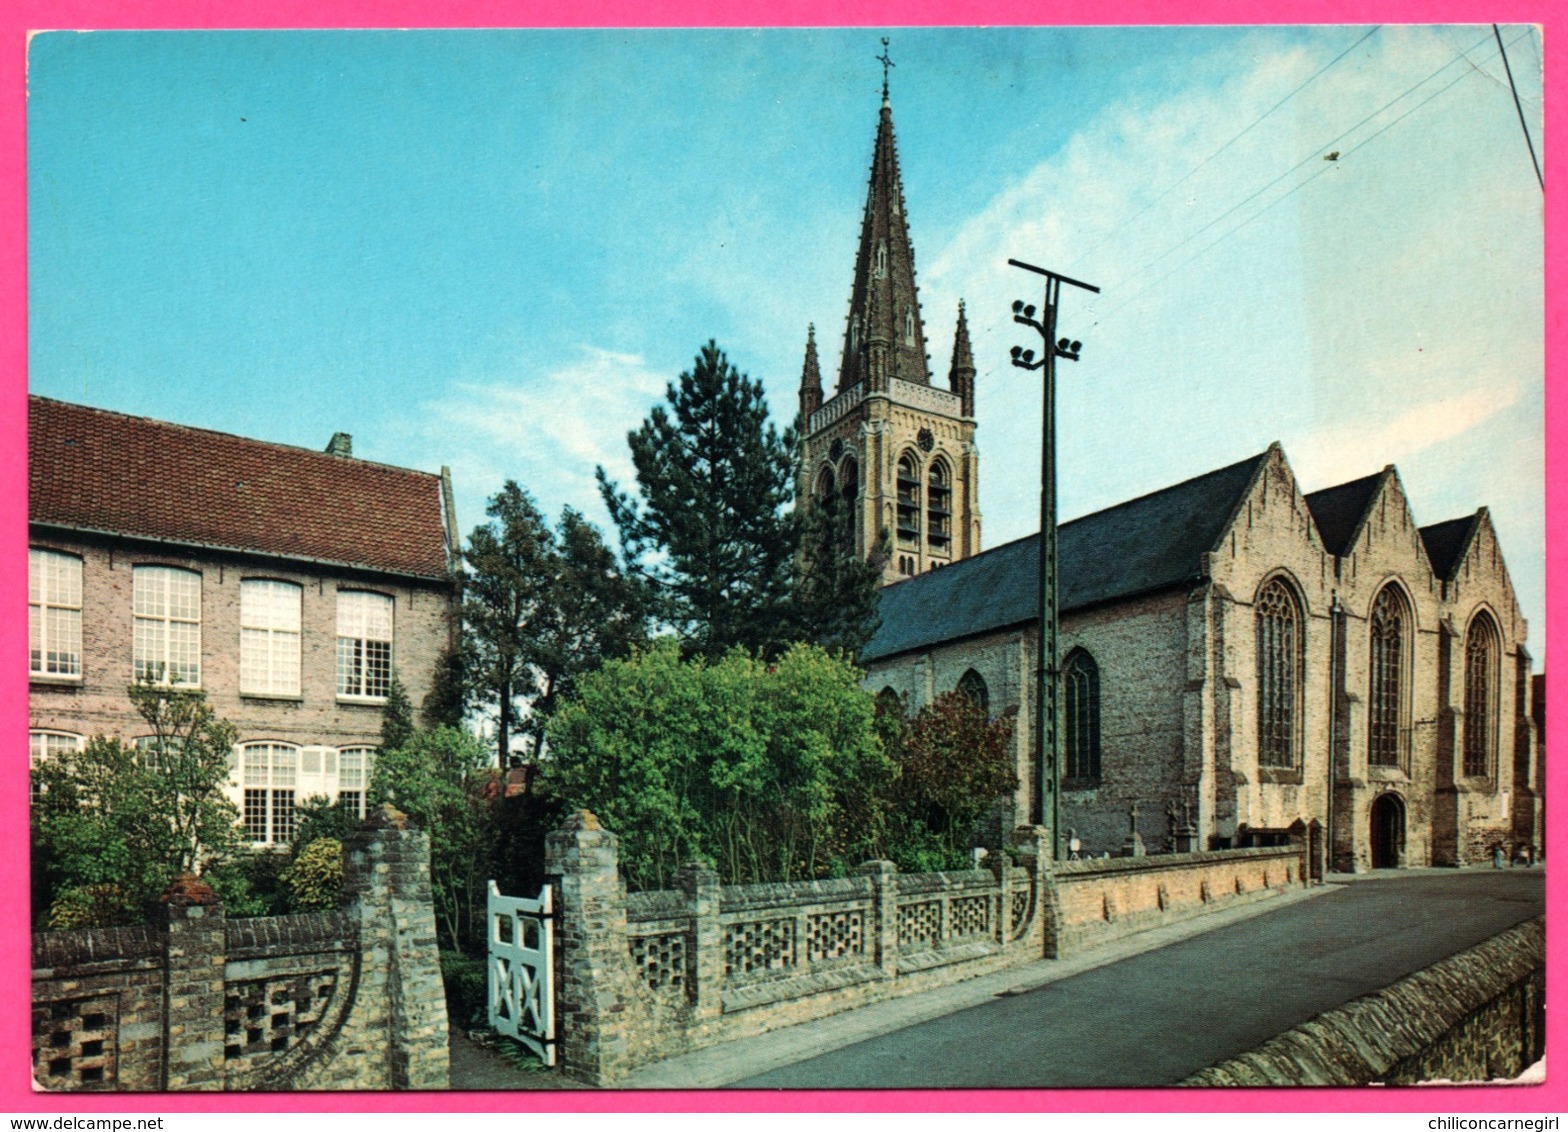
pixel 1338 510
pixel 89 469
pixel 1446 543
pixel 1142 545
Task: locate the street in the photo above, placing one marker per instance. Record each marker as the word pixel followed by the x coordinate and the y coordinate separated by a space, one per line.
pixel 1156 1018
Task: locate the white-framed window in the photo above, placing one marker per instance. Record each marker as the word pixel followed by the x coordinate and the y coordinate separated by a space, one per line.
pixel 364 644
pixel 354 767
pixel 267 774
pixel 166 638
pixel 54 613
pixel 44 745
pixel 269 637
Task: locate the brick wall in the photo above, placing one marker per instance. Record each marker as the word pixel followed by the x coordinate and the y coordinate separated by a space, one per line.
pixel 654 974
pixel 97 704
pixel 346 999
pixel 1475 1016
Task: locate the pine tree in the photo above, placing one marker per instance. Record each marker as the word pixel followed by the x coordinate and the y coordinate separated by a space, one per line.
pixel 836 591
pixel 710 532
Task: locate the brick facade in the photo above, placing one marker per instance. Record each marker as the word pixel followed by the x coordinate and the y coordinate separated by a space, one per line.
pixel 325 523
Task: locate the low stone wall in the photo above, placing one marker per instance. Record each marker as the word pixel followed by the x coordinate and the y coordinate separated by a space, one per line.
pixel 1103 900
pixel 346 999
pixel 647 976
pixel 1475 1016
pixel 654 974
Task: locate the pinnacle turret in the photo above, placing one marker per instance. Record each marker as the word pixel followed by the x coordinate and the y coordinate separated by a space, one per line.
pixel 961 374
pixel 810 378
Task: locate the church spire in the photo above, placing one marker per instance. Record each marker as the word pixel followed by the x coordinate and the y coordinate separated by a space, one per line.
pixel 810 378
pixel 884 338
pixel 961 374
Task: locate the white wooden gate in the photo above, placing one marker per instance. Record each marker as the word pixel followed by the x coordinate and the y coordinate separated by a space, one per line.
pixel 521 998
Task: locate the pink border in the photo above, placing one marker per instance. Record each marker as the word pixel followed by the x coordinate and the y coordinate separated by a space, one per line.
pixel 16 19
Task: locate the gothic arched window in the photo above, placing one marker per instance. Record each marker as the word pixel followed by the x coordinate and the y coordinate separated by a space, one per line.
pixel 909 326
pixel 825 485
pixel 881 268
pixel 1279 674
pixel 1481 672
pixel 1386 685
pixel 939 503
pixel 909 499
pixel 972 684
pixel 1081 693
pixel 849 499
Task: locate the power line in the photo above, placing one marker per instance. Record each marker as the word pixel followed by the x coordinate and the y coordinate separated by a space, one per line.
pixel 1228 212
pixel 1234 139
pixel 1510 71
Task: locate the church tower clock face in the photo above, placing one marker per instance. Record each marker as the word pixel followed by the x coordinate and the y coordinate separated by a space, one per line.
pixel 895 449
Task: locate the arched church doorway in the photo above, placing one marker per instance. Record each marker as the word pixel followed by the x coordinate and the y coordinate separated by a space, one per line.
pixel 1388 831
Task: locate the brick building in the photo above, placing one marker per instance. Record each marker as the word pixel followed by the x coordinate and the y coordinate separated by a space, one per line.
pixel 1257 657
pixel 288 585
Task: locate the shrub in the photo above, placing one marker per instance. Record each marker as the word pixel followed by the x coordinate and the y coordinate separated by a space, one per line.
pixel 314 879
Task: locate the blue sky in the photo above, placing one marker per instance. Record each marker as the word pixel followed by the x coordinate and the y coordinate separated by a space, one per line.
pixel 491 250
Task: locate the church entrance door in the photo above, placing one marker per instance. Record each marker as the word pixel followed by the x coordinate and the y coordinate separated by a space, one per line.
pixel 1388 832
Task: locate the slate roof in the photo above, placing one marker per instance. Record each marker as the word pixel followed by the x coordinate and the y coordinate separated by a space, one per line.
pixel 1142 545
pixel 94 470
pixel 1446 543
pixel 1338 510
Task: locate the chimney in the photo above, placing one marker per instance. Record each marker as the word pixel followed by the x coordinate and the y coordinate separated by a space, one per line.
pixel 341 444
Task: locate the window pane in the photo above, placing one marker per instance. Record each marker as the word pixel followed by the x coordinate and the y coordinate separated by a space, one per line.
pixel 54 613
pixel 166 636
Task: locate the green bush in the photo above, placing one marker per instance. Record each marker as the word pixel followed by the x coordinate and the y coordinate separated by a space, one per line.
pixel 463 976
pixel 314 879
pixel 92 906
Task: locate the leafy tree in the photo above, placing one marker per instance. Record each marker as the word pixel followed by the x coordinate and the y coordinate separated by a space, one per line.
pixel 710 531
pixel 773 771
pixel 540 607
pixel 314 878
pixel 955 765
pixel 441 779
pixel 113 817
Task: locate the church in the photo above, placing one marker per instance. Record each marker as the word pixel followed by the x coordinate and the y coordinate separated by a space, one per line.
pixel 1242 662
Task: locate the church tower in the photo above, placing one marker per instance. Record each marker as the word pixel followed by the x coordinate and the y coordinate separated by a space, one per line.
pixel 894 450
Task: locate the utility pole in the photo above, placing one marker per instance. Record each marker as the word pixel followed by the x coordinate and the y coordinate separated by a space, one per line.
pixel 1047 744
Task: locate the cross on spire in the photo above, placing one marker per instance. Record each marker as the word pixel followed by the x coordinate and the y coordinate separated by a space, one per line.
pixel 886 63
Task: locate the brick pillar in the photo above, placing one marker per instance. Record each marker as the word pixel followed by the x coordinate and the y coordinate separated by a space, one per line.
pixel 386 881
pixel 192 986
pixel 883 929
pixel 1002 868
pixel 705 966
pixel 1033 844
pixel 593 990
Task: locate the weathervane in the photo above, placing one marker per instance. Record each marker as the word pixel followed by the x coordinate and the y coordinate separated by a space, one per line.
pixel 886 63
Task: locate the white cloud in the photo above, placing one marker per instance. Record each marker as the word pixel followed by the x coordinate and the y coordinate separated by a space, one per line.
pixel 548 430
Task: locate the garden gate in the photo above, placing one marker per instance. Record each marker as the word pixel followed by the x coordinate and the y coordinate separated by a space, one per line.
pixel 520 966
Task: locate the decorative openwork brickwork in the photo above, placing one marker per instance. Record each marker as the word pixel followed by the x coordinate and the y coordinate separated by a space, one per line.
pixel 971 915
pixel 920 924
pixel 1020 911
pixel 74 1043
pixel 834 935
pixel 268 1017
pixel 660 960
pixel 759 945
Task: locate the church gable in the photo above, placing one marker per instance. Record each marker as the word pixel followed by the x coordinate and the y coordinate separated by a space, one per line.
pixel 1386 542
pixel 1468 561
pixel 1271 528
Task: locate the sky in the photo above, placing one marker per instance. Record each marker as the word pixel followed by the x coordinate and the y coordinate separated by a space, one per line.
pixel 493 250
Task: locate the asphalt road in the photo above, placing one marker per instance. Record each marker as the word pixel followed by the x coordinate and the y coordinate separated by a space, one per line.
pixel 1161 1016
